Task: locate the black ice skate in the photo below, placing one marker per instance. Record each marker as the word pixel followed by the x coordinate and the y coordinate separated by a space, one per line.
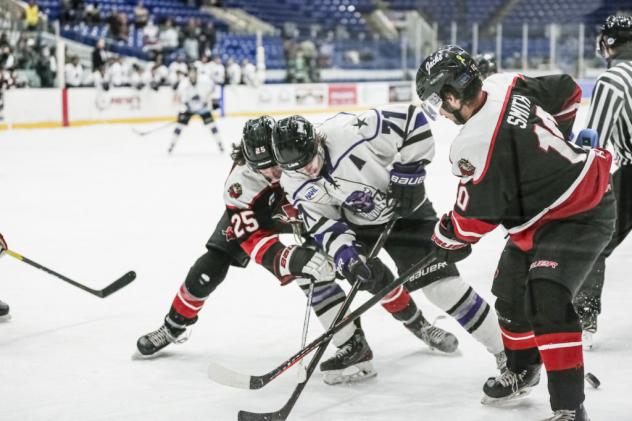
pixel 352 362
pixel 510 385
pixel 154 341
pixel 587 309
pixel 4 310
pixel 578 414
pixel 432 336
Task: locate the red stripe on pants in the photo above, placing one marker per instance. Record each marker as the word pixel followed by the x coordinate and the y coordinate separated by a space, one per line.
pixel 186 305
pixel 566 353
pixel 396 300
pixel 515 341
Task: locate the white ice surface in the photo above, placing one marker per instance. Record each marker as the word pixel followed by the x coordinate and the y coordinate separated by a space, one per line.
pixel 95 202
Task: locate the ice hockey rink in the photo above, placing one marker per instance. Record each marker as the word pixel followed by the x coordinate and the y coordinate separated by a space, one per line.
pixel 94 202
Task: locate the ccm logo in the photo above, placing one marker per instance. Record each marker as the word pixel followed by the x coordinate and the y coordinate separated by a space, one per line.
pixel 407 180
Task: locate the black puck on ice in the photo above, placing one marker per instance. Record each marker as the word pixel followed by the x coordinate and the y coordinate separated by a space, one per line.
pixel 592 380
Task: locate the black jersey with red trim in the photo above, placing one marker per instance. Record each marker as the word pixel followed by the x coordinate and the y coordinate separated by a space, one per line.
pixel 251 201
pixel 516 168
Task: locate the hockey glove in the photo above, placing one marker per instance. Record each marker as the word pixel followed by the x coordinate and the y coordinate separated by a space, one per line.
pixel 587 137
pixel 355 268
pixel 3 245
pixel 406 187
pixel 449 248
pixel 303 261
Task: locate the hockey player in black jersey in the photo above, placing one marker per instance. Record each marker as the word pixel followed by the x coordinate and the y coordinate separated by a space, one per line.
pixel 517 170
pixel 4 307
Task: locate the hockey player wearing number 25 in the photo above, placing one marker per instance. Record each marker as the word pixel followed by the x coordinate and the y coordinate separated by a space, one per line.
pixel 517 170
pixel 249 229
pixel 348 177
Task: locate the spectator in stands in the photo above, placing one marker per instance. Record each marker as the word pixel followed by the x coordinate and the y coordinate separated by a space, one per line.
pixel 168 37
pixel 203 67
pixel 217 71
pixel 158 73
pixel 114 23
pixel 249 73
pixel 92 14
pixel 150 36
pixel 233 72
pixel 31 16
pixel 74 73
pixel 7 59
pixel 4 40
pixel 115 72
pixel 137 78
pixel 190 39
pixel 141 15
pixel 207 39
pixel 99 55
pixel 46 68
pixel 178 69
pixel 26 56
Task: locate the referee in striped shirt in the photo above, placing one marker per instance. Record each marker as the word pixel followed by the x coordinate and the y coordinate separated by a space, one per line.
pixel 610 115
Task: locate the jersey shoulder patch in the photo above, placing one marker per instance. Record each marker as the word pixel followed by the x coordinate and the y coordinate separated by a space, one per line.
pixel 242 187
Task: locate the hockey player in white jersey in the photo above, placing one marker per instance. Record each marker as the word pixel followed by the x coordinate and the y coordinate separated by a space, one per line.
pixel 195 96
pixel 351 175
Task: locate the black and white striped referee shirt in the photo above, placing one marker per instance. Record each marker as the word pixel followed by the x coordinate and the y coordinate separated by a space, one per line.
pixel 610 110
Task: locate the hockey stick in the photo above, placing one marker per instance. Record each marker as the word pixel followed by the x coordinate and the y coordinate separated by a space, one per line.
pixel 153 130
pixel 101 293
pixel 302 374
pixel 228 377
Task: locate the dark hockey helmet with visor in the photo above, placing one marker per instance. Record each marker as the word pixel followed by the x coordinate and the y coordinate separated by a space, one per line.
pixel 615 31
pixel 450 67
pixel 294 142
pixel 257 143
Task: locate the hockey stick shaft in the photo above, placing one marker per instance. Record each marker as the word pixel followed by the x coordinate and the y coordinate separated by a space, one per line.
pixel 283 413
pixel 310 295
pixel 153 130
pixel 101 293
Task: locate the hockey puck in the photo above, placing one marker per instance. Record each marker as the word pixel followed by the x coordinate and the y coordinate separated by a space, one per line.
pixel 592 380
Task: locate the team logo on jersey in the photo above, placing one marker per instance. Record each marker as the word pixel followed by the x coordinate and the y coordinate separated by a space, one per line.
pixel 229 233
pixel 466 167
pixel 370 204
pixel 235 190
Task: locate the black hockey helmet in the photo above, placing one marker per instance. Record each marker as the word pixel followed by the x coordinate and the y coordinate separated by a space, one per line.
pixel 615 31
pixel 294 142
pixel 448 67
pixel 257 142
pixel 486 64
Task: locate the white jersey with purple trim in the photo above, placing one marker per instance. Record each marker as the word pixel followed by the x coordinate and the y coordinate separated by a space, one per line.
pixel 359 152
pixel 195 98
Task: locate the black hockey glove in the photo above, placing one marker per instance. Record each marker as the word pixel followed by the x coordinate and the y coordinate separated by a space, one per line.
pixel 449 248
pixel 303 261
pixel 406 187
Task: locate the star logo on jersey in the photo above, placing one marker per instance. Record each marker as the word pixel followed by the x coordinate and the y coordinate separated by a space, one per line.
pixel 466 167
pixel 235 190
pixel 360 122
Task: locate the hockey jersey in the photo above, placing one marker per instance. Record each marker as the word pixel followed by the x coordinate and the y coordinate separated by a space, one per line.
pixel 352 188
pixel 195 98
pixel 251 201
pixel 516 168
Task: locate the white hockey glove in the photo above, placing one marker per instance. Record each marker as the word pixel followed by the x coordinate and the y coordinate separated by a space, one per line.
pixel 295 261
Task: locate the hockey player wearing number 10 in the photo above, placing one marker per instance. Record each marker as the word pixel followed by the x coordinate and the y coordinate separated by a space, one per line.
pixel 351 175
pixel 517 170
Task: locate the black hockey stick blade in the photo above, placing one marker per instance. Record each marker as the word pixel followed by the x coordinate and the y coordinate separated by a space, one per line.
pixel 280 415
pixel 121 282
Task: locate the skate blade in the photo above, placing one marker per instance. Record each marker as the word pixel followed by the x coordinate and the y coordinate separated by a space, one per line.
pixel 354 374
pixel 488 400
pixel 588 341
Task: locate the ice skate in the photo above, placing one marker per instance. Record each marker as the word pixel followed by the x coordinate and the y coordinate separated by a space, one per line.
pixel 510 385
pixel 434 337
pixel 578 414
pixel 352 362
pixel 587 310
pixel 154 341
pixel 4 311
